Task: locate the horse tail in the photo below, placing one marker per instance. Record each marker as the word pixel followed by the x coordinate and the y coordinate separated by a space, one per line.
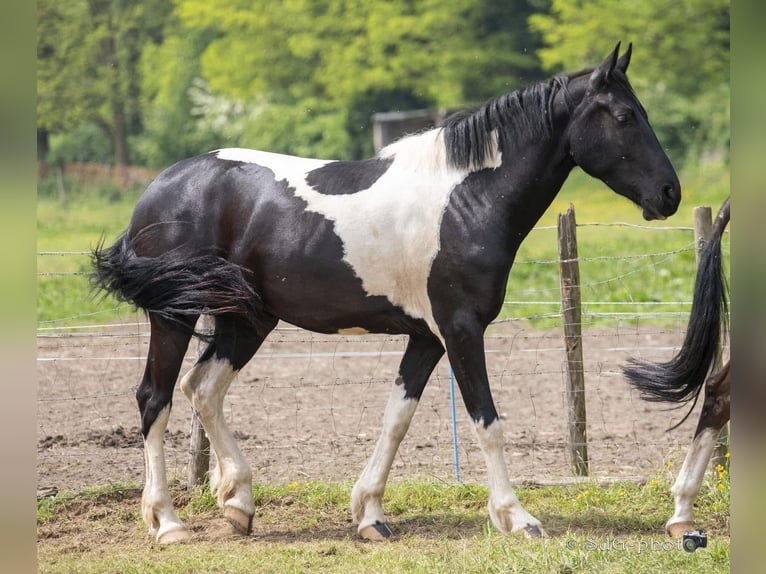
pixel 681 379
pixel 174 285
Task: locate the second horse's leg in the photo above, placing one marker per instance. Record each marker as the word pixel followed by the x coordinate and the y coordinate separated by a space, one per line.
pixel 715 414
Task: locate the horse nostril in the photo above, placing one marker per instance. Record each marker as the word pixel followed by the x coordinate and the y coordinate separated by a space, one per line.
pixel 667 191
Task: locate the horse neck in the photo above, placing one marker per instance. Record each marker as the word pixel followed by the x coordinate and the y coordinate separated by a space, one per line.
pixel 534 168
pixel 525 184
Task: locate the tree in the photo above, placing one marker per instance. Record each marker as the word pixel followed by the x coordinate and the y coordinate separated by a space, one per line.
pixel 681 64
pixel 323 67
pixel 88 54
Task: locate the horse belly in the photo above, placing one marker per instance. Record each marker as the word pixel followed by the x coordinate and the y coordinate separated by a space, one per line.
pixel 323 294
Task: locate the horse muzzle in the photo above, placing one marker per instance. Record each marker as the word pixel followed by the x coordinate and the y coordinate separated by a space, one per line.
pixel 664 204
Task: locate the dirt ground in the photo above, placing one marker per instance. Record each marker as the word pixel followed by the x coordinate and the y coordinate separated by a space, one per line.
pixel 309 407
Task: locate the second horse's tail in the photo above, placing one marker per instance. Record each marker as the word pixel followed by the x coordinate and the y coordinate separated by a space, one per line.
pixel 681 379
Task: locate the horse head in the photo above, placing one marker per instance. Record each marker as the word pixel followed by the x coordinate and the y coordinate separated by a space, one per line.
pixel 610 138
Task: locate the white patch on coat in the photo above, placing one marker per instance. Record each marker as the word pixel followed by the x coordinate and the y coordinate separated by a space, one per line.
pixel 276 162
pixel 390 231
pixel 353 331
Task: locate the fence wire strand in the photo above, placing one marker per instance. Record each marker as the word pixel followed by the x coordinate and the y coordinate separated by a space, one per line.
pixel 310 406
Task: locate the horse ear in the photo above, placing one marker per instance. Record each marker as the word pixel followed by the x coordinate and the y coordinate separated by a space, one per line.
pixel 602 74
pixel 624 61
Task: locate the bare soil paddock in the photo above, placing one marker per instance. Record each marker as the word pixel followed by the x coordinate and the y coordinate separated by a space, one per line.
pixel 309 407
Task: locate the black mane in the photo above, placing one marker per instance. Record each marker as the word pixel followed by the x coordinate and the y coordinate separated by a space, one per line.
pixel 524 113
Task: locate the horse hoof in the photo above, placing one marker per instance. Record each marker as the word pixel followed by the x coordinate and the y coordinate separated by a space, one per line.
pixel 240 520
pixel 677 529
pixel 177 536
pixel 377 532
pixel 534 531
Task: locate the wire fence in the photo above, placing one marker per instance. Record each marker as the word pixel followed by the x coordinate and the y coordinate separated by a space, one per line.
pixel 309 406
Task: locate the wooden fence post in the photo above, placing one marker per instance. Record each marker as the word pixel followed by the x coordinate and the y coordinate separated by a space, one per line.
pixel 199 443
pixel 703 229
pixel 569 271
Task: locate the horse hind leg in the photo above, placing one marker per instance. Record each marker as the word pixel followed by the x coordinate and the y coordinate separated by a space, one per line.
pixel 420 358
pixel 167 348
pixel 714 415
pixel 206 385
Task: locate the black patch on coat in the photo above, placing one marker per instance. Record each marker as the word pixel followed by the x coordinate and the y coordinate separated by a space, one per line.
pixel 346 177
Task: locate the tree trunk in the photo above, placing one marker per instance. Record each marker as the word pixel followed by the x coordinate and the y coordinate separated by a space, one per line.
pixel 43 147
pixel 120 142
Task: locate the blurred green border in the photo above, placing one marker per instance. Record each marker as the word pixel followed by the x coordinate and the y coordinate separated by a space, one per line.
pixel 748 183
pixel 17 225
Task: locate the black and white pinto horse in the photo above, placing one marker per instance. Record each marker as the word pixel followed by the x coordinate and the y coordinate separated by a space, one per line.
pixel 418 240
pixel 693 368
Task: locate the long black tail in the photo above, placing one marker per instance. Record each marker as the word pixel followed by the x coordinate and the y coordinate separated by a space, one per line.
pixel 174 285
pixel 681 379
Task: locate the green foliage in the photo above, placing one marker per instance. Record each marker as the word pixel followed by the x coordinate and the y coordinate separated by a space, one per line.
pixel 86 143
pixel 332 64
pixel 164 81
pixel 62 64
pixel 177 121
pixel 681 64
pixel 87 65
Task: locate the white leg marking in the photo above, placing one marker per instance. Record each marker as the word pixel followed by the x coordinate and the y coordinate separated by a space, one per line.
pixel 367 494
pixel 505 510
pixel 689 481
pixel 156 505
pixel 205 385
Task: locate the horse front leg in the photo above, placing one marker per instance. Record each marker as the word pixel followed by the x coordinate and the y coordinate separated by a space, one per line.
pixel 465 349
pixel 714 415
pixel 419 360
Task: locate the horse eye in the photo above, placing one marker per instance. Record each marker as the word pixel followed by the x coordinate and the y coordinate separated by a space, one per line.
pixel 623 117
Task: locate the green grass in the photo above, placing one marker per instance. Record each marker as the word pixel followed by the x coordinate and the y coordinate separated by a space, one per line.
pixel 644 268
pixel 635 269
pixel 301 527
pixel 77 224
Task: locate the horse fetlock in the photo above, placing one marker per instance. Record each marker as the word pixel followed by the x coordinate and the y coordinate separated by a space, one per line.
pixel 366 507
pixel 164 525
pixel 235 490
